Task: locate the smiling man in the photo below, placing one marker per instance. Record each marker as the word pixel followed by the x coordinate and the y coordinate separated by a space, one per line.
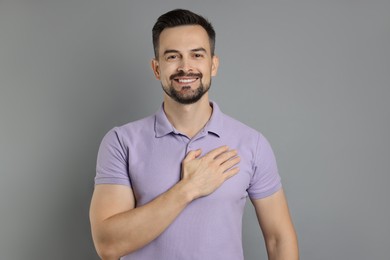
pixel 174 185
pixel 181 82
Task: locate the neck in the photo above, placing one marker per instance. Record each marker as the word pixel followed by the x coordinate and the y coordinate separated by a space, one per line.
pixel 188 119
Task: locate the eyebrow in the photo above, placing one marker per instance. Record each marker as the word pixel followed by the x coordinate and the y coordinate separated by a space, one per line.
pixel 199 49
pixel 193 50
pixel 171 51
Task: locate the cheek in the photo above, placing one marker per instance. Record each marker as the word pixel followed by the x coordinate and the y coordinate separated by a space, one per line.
pixel 167 71
pixel 207 73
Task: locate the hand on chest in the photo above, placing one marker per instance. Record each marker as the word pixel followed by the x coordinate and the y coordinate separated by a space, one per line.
pixel 161 169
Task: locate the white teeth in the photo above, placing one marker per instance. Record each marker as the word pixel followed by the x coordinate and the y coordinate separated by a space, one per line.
pixel 186 80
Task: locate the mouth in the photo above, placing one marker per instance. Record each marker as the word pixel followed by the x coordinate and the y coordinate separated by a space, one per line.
pixel 185 80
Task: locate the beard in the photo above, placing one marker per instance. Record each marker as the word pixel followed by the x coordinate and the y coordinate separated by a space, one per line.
pixel 190 96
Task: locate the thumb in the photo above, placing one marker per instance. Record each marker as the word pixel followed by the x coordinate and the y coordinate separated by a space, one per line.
pixel 192 155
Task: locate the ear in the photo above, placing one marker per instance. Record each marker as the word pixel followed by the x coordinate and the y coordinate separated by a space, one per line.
pixel 214 65
pixel 156 68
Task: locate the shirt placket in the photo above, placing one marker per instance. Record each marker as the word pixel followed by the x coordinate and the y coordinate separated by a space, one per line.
pixel 191 143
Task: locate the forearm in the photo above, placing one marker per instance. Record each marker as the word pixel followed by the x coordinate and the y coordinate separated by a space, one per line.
pixel 285 248
pixel 119 228
pixel 278 230
pixel 128 231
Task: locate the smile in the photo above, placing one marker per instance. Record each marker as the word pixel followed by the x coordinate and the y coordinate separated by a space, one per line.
pixel 185 80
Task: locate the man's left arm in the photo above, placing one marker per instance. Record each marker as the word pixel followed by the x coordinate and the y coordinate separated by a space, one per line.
pixel 278 230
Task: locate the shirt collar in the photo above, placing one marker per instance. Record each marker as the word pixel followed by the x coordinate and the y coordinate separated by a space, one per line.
pixel 215 124
pixel 163 127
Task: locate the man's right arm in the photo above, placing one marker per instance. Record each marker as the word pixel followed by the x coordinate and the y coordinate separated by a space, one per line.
pixel 119 228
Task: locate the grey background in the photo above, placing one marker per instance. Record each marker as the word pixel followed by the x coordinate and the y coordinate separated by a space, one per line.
pixel 312 76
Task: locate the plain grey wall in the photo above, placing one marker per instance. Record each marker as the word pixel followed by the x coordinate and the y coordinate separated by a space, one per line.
pixel 312 76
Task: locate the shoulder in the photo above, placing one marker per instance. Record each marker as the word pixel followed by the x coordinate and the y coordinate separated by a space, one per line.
pixel 233 129
pixel 131 131
pixel 250 138
pixel 237 128
pixel 138 126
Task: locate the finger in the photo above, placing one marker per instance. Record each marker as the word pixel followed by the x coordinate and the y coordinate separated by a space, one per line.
pixel 230 163
pixel 225 156
pixel 217 151
pixel 192 155
pixel 230 173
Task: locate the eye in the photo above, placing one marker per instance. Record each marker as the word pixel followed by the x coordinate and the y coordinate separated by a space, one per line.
pixel 172 57
pixel 198 55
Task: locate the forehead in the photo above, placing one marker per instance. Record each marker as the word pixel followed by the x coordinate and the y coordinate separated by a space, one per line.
pixel 184 38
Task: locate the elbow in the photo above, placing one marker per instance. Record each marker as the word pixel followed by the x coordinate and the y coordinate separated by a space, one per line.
pixel 110 251
pixel 106 251
pixel 106 254
pixel 111 247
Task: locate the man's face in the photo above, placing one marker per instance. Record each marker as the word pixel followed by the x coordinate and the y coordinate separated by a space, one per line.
pixel 184 64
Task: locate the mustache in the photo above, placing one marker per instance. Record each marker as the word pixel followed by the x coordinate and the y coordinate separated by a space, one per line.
pixel 183 74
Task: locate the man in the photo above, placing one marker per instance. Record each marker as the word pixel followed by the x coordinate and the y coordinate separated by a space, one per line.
pixel 174 185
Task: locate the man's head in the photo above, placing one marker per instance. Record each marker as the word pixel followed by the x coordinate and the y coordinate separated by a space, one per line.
pixel 179 17
pixel 185 60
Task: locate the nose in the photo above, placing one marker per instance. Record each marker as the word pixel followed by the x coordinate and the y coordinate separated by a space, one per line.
pixel 185 65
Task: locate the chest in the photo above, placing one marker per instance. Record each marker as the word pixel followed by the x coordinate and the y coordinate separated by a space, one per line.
pixel 155 166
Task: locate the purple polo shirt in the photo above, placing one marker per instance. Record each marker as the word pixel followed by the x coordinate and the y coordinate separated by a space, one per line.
pixel 147 154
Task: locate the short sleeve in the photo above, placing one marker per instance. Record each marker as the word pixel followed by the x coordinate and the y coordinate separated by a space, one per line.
pixel 265 179
pixel 112 160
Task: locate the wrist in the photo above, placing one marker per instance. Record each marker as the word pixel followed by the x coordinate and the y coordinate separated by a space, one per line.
pixel 186 191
